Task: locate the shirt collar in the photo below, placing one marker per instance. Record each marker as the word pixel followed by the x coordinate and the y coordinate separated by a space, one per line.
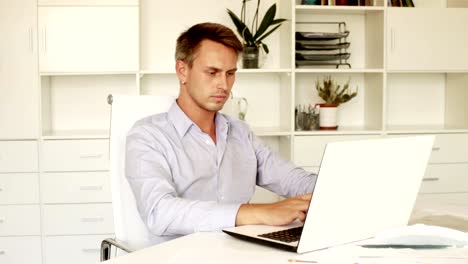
pixel 182 122
pixel 179 119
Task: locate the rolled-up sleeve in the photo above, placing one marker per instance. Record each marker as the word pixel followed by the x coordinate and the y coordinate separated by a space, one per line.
pixel 162 209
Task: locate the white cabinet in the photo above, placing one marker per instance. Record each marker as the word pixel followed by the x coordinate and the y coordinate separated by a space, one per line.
pixel 78 219
pixel 19 220
pixel 19 104
pixel 75 187
pixel 75 249
pixel 19 188
pixel 18 156
pixel 88 38
pixel 420 44
pixel 75 155
pixel 20 250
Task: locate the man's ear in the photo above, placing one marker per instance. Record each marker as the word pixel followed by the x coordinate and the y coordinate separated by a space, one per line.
pixel 181 70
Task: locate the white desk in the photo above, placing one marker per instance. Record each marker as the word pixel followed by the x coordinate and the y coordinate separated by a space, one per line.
pixel 215 248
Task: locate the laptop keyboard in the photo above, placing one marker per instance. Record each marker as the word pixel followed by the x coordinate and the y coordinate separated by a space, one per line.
pixel 287 235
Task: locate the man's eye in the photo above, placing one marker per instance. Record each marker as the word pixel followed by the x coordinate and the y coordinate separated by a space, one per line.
pixel 231 73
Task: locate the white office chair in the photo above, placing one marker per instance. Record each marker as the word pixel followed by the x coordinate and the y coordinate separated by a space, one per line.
pixel 130 231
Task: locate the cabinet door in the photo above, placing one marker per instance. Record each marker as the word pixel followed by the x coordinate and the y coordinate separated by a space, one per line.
pixel 88 39
pixel 20 250
pixel 19 105
pixel 430 39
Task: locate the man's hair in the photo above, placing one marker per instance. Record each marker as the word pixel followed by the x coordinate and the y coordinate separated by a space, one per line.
pixel 189 41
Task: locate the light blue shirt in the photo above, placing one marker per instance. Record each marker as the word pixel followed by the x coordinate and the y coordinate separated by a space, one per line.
pixel 184 183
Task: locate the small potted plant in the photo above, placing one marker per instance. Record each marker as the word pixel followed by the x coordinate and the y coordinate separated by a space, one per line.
pixel 253 37
pixel 333 95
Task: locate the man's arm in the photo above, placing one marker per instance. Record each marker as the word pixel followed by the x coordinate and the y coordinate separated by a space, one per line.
pixel 278 175
pixel 279 213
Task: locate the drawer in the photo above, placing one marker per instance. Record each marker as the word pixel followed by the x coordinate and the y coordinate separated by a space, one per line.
pixel 74 249
pixel 76 155
pixel 19 220
pixel 445 178
pixel 308 150
pixel 19 188
pixel 450 148
pixel 449 210
pixel 78 219
pixel 20 250
pixel 18 156
pixel 78 187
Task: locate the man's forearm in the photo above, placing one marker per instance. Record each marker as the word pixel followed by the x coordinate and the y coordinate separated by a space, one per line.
pixel 279 213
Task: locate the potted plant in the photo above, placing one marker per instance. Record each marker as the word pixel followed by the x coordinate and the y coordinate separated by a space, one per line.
pixel 253 36
pixel 333 95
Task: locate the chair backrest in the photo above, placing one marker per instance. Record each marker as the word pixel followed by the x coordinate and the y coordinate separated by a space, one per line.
pixel 126 110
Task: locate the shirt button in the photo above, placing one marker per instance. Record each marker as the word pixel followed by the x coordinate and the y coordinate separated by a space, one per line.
pixel 222 197
pixel 207 142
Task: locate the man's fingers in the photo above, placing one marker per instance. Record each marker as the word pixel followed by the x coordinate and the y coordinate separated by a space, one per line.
pixel 301 216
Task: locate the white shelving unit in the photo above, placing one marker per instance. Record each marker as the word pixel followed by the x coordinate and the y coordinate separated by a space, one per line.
pixel 65 56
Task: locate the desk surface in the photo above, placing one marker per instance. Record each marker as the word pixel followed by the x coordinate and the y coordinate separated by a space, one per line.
pixel 221 248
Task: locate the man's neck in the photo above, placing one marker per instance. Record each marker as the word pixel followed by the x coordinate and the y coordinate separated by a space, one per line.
pixel 205 120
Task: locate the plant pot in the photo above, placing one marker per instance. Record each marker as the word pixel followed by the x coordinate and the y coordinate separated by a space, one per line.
pixel 328 116
pixel 250 57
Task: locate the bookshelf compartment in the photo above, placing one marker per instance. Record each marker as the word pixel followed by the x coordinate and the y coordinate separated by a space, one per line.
pixel 69 109
pixel 432 102
pixel 362 113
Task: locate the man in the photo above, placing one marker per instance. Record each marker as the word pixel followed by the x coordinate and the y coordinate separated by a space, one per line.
pixel 194 169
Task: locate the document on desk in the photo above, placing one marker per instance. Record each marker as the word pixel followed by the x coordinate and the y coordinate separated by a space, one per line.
pixel 353 254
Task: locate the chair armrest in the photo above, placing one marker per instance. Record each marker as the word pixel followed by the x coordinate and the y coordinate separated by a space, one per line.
pixel 106 246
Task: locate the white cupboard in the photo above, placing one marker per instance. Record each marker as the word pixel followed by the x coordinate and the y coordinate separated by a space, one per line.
pixel 19 102
pixel 88 39
pixel 427 39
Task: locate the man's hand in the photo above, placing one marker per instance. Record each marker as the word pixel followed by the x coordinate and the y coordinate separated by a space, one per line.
pixel 279 213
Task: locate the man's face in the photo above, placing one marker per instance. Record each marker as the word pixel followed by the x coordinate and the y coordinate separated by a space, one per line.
pixel 209 81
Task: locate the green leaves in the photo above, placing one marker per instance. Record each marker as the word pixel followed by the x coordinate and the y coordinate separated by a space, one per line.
pixel 255 36
pixel 332 93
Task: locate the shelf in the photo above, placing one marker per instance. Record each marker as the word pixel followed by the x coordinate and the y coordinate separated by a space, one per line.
pixel 340 10
pixel 424 129
pixel 270 131
pixel 75 134
pixel 343 70
pixel 263 70
pixel 86 73
pixel 351 130
pixel 87 3
pixel 427 71
pixel 156 72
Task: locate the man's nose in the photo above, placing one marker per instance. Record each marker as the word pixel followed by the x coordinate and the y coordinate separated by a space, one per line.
pixel 222 82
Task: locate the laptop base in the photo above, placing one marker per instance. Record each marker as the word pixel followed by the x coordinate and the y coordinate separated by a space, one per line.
pixel 262 242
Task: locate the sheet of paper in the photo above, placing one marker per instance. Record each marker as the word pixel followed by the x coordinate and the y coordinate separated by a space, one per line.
pixel 353 254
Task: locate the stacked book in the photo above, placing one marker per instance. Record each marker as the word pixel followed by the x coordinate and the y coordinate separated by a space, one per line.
pixel 322 48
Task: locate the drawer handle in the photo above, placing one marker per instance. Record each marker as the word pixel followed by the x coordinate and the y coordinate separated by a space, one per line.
pixel 431 179
pixel 435 148
pixel 92 219
pixel 2 220
pixel 90 250
pixel 97 156
pixel 91 188
pixel 2 252
pixel 1 189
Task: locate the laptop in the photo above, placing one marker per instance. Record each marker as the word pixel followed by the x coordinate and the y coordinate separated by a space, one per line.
pixel 363 187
